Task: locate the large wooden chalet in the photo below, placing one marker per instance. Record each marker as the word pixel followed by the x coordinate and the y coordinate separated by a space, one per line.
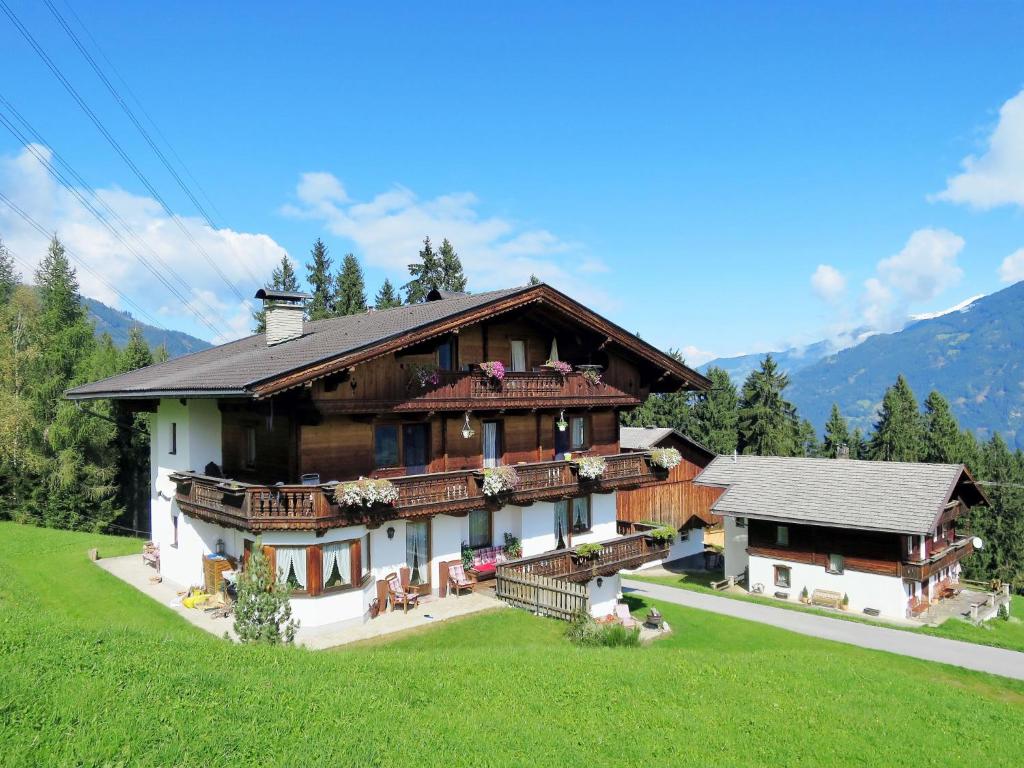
pixel 263 436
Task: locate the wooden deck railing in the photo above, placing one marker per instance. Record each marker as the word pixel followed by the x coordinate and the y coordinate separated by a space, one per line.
pixel 299 507
pixel 615 554
pixel 921 570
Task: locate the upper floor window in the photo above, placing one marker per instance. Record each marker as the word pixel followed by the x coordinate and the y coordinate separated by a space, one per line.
pixel 577 432
pixel 836 563
pixel 385 445
pixel 782 535
pixel 446 359
pixel 250 447
pixel 518 355
pixel 174 437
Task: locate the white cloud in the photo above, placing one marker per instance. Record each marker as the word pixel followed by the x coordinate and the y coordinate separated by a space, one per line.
pixel 239 255
pixel 388 230
pixel 1012 268
pixel 695 356
pixel 997 176
pixel 926 266
pixel 828 283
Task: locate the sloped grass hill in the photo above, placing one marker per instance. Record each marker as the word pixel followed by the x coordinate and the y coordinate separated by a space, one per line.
pixel 92 672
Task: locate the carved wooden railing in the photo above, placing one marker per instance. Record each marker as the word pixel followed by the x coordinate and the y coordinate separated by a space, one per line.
pixel 464 390
pixel 615 554
pixel 300 507
pixel 921 570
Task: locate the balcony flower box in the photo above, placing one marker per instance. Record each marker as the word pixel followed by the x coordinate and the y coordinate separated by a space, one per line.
pixel 493 370
pixel 591 374
pixel 366 493
pixel 499 480
pixel 559 367
pixel 590 467
pixel 422 376
pixel 585 553
pixel 664 459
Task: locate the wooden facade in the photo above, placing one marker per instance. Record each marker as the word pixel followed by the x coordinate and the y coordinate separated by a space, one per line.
pixel 677 502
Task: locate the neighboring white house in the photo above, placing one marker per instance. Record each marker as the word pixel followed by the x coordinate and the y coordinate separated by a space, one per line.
pixel 886 537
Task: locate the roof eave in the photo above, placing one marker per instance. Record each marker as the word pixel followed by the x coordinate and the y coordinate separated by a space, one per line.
pixel 154 394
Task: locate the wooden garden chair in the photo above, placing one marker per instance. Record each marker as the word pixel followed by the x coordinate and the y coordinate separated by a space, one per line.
pixel 458 580
pixel 398 595
pixel 625 617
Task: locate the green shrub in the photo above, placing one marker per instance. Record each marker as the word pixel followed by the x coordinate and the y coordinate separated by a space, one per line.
pixel 467 555
pixel 513 547
pixel 263 613
pixel 664 534
pixel 589 550
pixel 583 630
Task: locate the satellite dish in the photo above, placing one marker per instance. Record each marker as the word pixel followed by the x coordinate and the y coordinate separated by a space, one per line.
pixel 978 543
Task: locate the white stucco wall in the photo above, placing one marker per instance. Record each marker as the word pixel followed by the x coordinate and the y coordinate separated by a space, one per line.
pixel 538 524
pixel 866 590
pixel 603 597
pixel 693 544
pixel 736 557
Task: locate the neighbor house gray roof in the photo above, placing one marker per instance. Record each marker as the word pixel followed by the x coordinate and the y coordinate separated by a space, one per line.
pixel 645 438
pixel 840 493
pixel 233 368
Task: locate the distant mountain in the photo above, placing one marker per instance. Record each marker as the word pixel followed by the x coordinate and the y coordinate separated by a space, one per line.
pixel 118 324
pixel 790 360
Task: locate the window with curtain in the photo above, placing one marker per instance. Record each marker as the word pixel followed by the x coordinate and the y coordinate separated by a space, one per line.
pixel 781 576
pixel 581 514
pixel 492 444
pixel 561 524
pixel 479 528
pixel 291 566
pixel 782 535
pixel 337 564
pixel 385 445
pixel 518 360
pixel 364 555
pixel 417 552
pixel 577 430
pixel 836 563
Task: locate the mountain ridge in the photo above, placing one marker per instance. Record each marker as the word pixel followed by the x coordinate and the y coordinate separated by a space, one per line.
pixel 118 324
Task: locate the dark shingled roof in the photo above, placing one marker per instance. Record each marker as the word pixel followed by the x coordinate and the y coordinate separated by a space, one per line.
pixel 891 496
pixel 234 368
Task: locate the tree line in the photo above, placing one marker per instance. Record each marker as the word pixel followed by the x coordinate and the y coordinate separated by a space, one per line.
pixel 756 418
pixel 62 464
pixel 336 294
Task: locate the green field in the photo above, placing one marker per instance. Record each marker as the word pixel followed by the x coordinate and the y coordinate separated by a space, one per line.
pixel 1001 634
pixel 94 673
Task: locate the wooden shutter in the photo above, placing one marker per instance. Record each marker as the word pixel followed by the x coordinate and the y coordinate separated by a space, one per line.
pixel 271 555
pixel 356 560
pixel 314 570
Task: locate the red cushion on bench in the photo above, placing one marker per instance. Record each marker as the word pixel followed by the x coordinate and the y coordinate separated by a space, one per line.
pixel 485 568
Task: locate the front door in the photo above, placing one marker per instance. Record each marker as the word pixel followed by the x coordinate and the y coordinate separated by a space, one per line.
pixel 492 444
pixel 415 445
pixel 561 443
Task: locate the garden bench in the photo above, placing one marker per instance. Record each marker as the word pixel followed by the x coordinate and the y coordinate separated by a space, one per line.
pixel 723 584
pixel 827 598
pixel 486 562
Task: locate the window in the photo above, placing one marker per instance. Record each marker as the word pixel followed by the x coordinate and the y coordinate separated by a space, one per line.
pixel 581 514
pixel 337 565
pixel 385 445
pixel 174 437
pixel 578 432
pixel 446 355
pixel 836 563
pixel 782 535
pixel 250 447
pixel 910 546
pixel 741 522
pixel 935 535
pixel 518 361
pixel 291 566
pixel 782 576
pixel 417 552
pixel 480 528
pixel 492 444
pixel 174 531
pixel 562 536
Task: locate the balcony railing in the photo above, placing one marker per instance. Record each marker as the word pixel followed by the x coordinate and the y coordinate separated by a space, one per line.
pixel 922 569
pixel 615 554
pixel 299 507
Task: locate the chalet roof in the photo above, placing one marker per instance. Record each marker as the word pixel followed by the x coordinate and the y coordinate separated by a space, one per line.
pixel 888 496
pixel 248 367
pixel 645 438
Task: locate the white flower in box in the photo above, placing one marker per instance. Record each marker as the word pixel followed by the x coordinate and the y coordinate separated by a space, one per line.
pixel 366 493
pixel 590 467
pixel 499 480
pixel 665 458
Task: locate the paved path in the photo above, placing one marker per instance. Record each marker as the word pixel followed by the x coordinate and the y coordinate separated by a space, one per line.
pixel 982 658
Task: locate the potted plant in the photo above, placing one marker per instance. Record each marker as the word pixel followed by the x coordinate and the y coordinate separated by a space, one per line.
pixel 513 547
pixel 562 424
pixel 423 375
pixel 467 555
pixel 591 374
pixel 804 596
pixel 499 480
pixel 846 602
pixel 664 458
pixel 590 467
pixel 365 492
pixel 666 534
pixel 586 552
pixel 494 370
pixel 559 367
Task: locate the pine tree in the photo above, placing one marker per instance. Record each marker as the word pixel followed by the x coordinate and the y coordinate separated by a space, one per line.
pixel 387 297
pixel 807 439
pixel 837 434
pixel 427 274
pixel 452 276
pixel 859 445
pixel 9 277
pixel 132 440
pixel 263 612
pixel 534 280
pixel 321 284
pixel 943 443
pixel 283 278
pixel 350 296
pixel 767 422
pixel 898 434
pixel 663 410
pixel 1001 525
pixel 715 415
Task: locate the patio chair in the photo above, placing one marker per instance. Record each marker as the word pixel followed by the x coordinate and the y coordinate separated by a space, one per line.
pixel 458 580
pixel 625 617
pixel 398 595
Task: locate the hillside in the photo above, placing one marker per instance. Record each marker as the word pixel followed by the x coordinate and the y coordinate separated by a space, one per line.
pixel 118 324
pixel 791 360
pixel 974 356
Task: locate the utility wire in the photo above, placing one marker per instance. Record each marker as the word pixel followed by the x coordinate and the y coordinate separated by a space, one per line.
pixel 117 147
pixel 96 198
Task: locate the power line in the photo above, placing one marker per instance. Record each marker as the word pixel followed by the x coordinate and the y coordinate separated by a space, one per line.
pixel 45 161
pixel 118 148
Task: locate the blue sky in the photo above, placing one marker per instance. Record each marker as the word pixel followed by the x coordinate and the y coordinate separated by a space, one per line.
pixel 685 169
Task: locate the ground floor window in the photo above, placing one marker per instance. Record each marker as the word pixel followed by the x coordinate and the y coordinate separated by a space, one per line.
pixel 480 528
pixel 337 564
pixel 782 578
pixel 417 552
pixel 572 516
pixel 836 563
pixel 291 566
pixel 174 531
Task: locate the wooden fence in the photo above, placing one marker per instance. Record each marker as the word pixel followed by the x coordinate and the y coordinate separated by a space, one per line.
pixel 542 595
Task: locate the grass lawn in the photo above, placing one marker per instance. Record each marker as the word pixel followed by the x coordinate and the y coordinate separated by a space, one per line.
pixel 93 672
pixel 998 633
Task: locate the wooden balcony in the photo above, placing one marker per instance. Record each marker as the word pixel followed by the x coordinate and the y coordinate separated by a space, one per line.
pixel 297 507
pixel 922 569
pixel 622 552
pixel 473 390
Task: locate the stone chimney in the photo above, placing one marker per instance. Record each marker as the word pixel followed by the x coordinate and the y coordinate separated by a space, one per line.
pixel 842 451
pixel 284 314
